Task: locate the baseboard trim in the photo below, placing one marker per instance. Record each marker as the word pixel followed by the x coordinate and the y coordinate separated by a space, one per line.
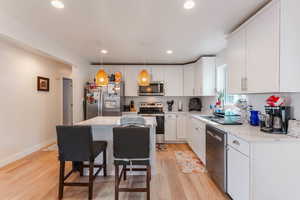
pixel 24 153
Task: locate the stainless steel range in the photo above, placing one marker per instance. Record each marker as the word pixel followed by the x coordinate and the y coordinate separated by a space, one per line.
pixel 155 109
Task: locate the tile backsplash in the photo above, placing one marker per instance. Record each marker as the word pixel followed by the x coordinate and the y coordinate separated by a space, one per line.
pixel 163 99
pixel 206 102
pixel 258 102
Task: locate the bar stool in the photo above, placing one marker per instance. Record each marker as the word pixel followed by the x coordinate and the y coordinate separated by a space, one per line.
pixel 131 147
pixel 75 143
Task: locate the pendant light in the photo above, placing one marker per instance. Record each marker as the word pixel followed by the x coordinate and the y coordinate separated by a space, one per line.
pixel 144 78
pixel 101 78
pixel 118 77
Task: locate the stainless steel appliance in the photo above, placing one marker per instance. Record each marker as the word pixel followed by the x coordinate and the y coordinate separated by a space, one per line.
pixel 104 101
pixel 276 119
pixel 154 89
pixel 155 110
pixel 216 156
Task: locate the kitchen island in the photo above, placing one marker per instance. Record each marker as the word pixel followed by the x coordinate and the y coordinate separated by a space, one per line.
pixel 103 130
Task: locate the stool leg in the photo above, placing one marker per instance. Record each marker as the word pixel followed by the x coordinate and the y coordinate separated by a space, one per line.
pixel 148 181
pixel 91 181
pixel 81 169
pixel 61 179
pixel 104 163
pixel 125 173
pixel 116 182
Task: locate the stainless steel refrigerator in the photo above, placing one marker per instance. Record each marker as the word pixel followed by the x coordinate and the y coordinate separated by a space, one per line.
pixel 104 101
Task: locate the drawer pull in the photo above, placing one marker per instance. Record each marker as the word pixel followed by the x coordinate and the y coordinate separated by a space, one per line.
pixel 236 142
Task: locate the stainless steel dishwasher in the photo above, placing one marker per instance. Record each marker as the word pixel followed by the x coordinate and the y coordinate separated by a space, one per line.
pixel 216 156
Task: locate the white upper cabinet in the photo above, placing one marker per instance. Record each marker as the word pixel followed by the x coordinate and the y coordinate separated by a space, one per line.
pixel 205 77
pixel 131 84
pixel 290 46
pixel 208 76
pixel 262 52
pixel 263 55
pixel 236 62
pixel 198 79
pixel 174 81
pixel 157 74
pixel 188 80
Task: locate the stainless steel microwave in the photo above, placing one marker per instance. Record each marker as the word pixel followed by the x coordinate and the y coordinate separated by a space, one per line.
pixel 154 89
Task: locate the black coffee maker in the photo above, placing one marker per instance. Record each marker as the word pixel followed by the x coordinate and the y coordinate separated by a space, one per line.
pixel 276 119
pixel 170 105
pixel 195 104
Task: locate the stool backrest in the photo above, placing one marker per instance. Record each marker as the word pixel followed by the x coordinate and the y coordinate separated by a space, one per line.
pixel 131 142
pixel 75 143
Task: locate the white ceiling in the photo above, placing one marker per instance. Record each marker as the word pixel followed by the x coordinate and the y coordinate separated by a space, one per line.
pixel 134 30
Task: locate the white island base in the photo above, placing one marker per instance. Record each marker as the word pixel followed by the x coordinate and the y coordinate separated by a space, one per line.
pixel 103 130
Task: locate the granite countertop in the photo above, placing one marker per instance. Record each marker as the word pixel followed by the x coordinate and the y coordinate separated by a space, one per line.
pixel 112 121
pixel 247 132
pixel 176 112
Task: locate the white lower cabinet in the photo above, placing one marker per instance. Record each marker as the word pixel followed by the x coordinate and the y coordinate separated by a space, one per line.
pixel 238 174
pixel 198 138
pixel 263 170
pixel 189 130
pixel 170 127
pixel 176 127
pixel 181 126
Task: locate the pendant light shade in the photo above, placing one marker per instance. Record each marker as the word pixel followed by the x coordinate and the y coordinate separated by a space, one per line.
pixel 118 77
pixel 101 78
pixel 144 78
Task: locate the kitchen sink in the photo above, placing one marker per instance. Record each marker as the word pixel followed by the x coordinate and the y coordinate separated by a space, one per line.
pixel 222 120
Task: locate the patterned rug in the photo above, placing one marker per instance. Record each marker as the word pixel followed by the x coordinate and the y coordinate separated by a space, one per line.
pixel 188 162
pixel 161 147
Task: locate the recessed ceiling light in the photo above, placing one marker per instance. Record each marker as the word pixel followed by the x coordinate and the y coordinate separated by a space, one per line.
pixel 104 51
pixel 57 4
pixel 189 4
pixel 169 52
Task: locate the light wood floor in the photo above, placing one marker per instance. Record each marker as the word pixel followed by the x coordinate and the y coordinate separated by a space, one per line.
pixel 36 177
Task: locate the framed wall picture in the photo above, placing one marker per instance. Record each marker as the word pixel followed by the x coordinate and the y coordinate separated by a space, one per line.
pixel 43 84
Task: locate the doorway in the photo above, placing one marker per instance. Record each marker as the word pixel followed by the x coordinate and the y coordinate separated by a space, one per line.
pixel 67 101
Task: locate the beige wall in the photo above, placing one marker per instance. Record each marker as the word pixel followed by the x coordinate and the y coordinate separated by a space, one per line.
pixel 28 117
